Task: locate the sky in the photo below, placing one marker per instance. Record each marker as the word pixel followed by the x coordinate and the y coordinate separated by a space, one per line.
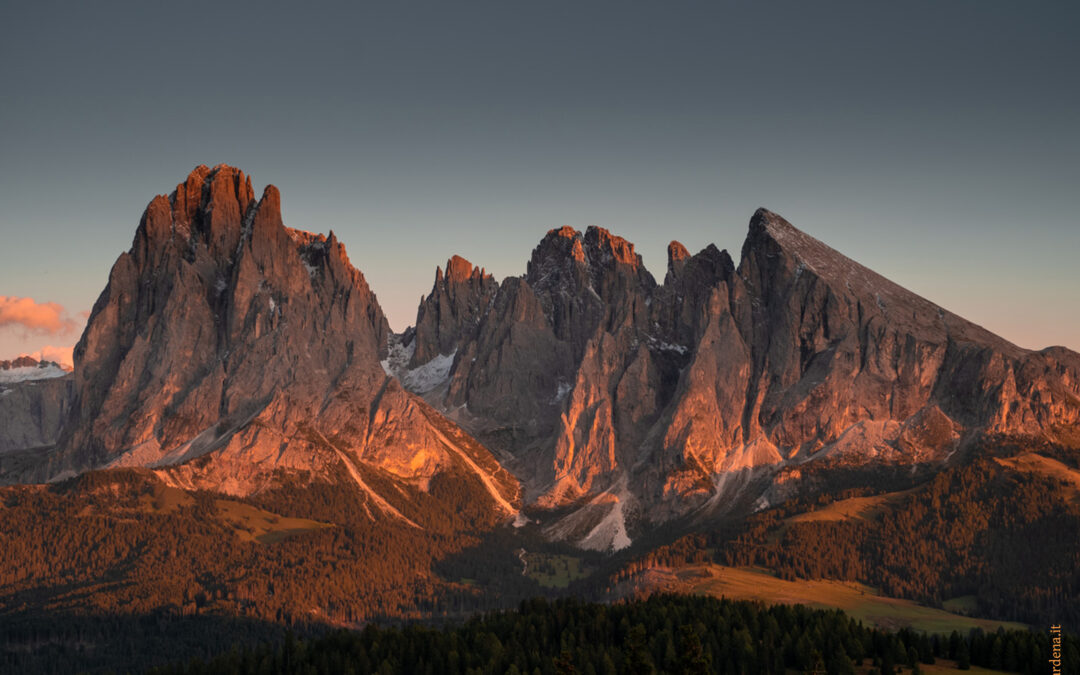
pixel 935 142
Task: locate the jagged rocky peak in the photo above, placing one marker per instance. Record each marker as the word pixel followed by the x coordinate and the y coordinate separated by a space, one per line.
pixel 228 351
pixel 602 247
pixel 567 251
pixel 459 269
pixel 217 315
pixel 209 206
pixel 222 193
pixel 676 256
pixel 25 362
pixel 615 269
pixel 682 303
pixel 451 312
pixel 585 279
pixel 558 260
pixel 704 269
pixel 777 256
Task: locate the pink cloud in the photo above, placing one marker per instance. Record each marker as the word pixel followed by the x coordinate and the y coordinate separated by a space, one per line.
pixel 61 355
pixel 47 318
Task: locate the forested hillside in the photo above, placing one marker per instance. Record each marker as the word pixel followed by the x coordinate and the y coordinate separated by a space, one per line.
pixel 993 534
pixel 123 542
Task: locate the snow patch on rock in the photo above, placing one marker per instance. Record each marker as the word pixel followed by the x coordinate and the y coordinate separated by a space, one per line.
pixel 424 378
pixel 397 356
pixel 43 371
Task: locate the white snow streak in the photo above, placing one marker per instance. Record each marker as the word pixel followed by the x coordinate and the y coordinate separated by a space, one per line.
pixel 386 506
pixel 44 371
pixel 480 473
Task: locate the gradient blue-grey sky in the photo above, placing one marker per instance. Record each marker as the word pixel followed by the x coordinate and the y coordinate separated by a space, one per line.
pixel 936 142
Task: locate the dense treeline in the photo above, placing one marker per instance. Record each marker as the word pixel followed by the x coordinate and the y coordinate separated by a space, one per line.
pixel 63 643
pixel 664 634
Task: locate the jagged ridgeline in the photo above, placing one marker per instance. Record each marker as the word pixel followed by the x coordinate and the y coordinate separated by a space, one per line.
pixel 714 393
pixel 231 353
pixel 244 444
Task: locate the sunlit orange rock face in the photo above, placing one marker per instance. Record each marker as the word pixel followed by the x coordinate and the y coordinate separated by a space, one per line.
pixel 598 380
pixel 455 304
pixel 227 346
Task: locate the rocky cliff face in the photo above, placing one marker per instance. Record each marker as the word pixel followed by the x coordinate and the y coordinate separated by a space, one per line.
pixel 628 398
pixel 34 401
pixel 450 313
pixel 835 345
pixel 229 350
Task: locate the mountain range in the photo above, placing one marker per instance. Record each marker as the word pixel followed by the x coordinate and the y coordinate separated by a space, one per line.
pixel 244 444
pixel 229 352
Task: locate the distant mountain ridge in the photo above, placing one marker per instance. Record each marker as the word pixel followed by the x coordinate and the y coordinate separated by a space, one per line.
pixel 34 400
pixel 26 368
pixel 229 352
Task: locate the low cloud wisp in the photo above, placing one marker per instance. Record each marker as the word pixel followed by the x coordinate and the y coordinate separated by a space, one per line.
pixel 46 318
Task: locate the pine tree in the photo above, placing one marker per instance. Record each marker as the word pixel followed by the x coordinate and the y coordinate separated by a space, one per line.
pixel 963 656
pixel 692 658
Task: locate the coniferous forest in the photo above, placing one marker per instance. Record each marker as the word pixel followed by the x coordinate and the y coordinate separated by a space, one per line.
pixel 664 634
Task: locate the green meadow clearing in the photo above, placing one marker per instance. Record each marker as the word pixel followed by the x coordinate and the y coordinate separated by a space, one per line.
pixel 859 601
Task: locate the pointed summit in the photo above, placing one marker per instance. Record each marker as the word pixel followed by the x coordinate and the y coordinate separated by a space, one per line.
pixel 676 257
pixel 451 311
pixel 459 269
pixel 676 252
pixel 777 255
pixel 768 230
pixel 558 245
pixel 602 246
pixel 216 310
pixel 231 353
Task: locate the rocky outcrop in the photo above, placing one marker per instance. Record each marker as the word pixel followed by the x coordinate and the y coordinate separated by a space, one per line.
pixel 32 412
pixel 20 362
pixel 228 350
pixel 835 344
pixel 34 401
pixel 450 313
pixel 538 378
pixel 598 381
